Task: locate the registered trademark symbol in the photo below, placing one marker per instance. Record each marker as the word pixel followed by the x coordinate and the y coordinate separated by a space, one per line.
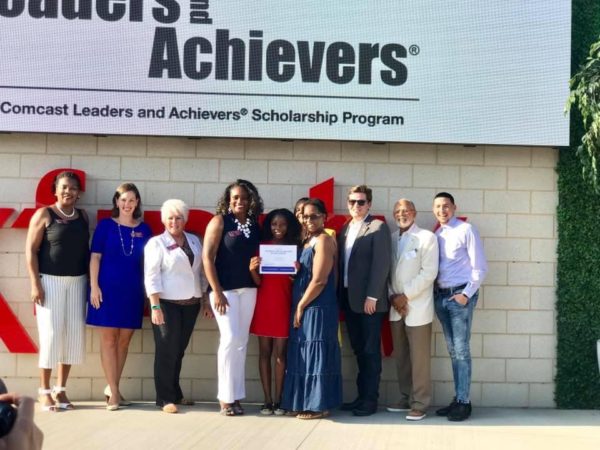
pixel 414 50
pixel 243 111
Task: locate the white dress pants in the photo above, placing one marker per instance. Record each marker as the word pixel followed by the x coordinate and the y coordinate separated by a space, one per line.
pixel 234 327
pixel 61 320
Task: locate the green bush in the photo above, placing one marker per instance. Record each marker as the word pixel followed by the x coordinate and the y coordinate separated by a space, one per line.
pixel 578 272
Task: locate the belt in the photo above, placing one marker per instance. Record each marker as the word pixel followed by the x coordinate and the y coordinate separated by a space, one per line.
pixel 450 290
pixel 185 302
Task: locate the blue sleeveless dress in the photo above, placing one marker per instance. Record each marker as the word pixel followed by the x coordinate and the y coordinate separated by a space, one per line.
pixel 313 376
pixel 121 276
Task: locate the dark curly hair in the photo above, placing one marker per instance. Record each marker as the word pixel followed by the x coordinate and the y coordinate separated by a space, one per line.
pixel 294 229
pixel 255 207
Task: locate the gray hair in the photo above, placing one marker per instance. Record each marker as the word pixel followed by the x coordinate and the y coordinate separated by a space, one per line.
pixel 405 200
pixel 174 205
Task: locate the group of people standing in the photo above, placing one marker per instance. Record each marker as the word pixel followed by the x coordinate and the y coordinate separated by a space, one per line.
pixel 363 272
pixel 406 276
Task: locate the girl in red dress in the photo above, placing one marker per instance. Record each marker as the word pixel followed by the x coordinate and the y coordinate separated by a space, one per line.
pixel 271 321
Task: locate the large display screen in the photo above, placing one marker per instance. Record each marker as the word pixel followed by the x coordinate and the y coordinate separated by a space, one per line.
pixel 470 72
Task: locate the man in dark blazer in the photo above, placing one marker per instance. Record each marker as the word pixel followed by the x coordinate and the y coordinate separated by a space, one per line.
pixel 364 247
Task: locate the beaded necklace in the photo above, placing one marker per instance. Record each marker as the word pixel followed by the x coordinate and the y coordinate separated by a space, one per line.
pixel 122 244
pixel 245 228
pixel 68 216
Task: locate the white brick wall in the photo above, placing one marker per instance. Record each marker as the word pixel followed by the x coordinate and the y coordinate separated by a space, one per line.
pixel 509 193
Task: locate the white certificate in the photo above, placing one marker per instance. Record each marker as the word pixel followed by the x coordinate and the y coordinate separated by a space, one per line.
pixel 278 259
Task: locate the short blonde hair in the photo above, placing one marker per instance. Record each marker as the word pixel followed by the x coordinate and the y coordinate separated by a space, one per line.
pixel 174 205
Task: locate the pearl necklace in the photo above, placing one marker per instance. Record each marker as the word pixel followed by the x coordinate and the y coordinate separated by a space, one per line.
pixel 122 244
pixel 68 216
pixel 245 228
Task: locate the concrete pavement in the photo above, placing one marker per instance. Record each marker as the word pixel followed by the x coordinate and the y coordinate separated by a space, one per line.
pixel 143 426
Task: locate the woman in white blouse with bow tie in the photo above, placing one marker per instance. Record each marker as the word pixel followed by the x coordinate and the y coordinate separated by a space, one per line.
pixel 176 286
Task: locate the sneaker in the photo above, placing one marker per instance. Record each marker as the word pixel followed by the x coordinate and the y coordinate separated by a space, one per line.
pixel 446 409
pixel 398 407
pixel 415 414
pixel 266 409
pixel 278 410
pixel 460 412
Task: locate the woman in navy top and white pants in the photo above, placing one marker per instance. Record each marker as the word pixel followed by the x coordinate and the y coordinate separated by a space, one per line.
pixel 232 239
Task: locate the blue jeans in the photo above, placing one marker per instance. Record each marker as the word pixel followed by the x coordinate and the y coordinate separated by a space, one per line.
pixel 456 322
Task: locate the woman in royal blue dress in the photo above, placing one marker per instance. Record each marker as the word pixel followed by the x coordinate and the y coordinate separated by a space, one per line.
pixel 313 378
pixel 117 284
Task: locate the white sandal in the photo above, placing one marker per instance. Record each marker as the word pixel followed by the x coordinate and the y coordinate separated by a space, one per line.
pixel 57 390
pixel 42 393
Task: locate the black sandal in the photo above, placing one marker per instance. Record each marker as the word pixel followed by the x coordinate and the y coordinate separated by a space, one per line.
pixel 237 408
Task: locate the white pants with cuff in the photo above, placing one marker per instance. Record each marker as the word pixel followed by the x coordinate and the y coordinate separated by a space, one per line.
pixel 234 327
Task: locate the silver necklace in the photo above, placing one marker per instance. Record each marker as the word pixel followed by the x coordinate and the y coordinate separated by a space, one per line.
pixel 68 216
pixel 122 244
pixel 245 228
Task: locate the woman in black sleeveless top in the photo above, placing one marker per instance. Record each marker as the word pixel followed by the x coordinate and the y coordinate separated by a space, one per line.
pixel 57 252
pixel 231 239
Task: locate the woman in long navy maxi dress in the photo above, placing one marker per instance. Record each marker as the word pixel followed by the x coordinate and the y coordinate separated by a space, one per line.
pixel 313 379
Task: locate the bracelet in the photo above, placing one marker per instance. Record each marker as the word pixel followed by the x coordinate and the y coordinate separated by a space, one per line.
pixel 155 307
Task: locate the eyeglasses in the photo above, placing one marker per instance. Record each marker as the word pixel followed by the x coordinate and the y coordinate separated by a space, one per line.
pixel 359 202
pixel 312 217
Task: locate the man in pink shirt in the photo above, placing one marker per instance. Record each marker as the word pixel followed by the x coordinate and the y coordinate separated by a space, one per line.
pixel 462 268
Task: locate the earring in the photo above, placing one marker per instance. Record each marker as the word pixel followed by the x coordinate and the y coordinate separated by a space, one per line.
pixel 229 210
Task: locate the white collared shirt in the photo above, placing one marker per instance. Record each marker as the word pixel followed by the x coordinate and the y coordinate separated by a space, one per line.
pixel 403 239
pixel 353 229
pixel 462 260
